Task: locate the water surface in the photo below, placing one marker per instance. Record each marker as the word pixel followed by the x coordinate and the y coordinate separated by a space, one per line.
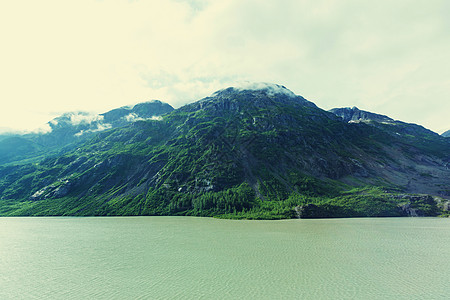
pixel 203 258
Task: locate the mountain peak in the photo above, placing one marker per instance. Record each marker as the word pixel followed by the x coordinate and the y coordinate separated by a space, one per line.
pixel 354 114
pixel 246 95
pixel 269 88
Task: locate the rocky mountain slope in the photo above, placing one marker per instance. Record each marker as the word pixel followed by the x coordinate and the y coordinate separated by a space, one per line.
pixel 355 115
pixel 253 153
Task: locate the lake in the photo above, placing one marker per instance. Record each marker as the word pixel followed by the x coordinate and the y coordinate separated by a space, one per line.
pixel 205 258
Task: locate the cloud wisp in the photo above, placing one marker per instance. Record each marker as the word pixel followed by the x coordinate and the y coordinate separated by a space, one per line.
pixel 133 117
pixel 272 88
pixel 99 127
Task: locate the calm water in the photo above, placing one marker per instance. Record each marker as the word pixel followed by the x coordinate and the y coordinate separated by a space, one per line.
pixel 201 258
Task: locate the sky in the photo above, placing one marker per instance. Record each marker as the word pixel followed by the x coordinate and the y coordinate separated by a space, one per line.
pixel 387 57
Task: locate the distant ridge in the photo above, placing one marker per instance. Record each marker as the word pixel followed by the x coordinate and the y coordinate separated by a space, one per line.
pixel 72 128
pixel 446 134
pixel 356 115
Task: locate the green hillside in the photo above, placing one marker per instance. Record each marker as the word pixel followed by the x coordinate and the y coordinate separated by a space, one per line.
pixel 238 154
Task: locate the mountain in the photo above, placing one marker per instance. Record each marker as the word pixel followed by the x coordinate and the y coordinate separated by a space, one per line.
pixel 73 128
pixel 16 147
pixel 240 153
pixel 355 115
pixel 446 134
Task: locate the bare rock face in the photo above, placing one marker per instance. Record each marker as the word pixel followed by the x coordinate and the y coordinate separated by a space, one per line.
pixel 411 212
pixel 56 190
pixel 446 206
pixel 354 114
pixel 418 205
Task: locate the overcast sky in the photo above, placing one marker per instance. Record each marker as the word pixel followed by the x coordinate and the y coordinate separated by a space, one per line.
pixel 388 57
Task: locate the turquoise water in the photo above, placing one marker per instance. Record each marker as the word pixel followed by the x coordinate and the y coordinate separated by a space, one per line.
pixel 203 258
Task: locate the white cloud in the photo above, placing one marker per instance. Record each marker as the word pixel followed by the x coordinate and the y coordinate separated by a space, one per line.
pixel 53 122
pixel 100 127
pixel 98 55
pixel 272 88
pixel 7 130
pixel 85 118
pixel 156 118
pixel 43 129
pixel 133 117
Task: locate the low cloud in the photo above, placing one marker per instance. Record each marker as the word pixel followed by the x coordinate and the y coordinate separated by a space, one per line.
pixel 100 127
pixel 53 122
pixel 271 88
pixel 7 130
pixel 84 118
pixel 75 119
pixel 156 118
pixel 43 129
pixel 133 117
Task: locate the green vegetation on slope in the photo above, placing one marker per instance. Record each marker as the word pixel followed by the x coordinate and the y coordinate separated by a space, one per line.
pixel 246 154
